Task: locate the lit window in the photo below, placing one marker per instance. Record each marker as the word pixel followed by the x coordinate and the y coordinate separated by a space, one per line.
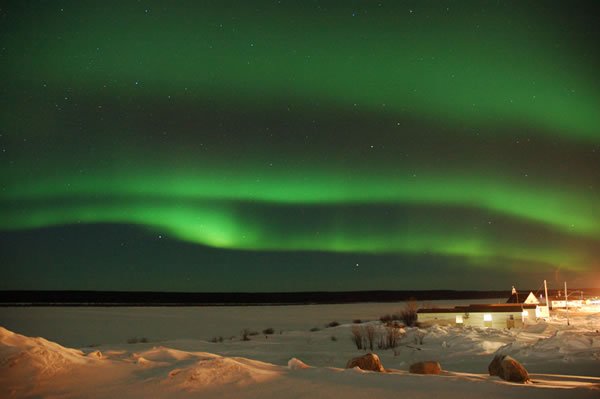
pixel 459 319
pixel 487 317
pixel 525 313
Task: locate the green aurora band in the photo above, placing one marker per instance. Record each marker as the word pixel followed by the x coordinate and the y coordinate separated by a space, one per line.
pixel 77 150
pixel 566 211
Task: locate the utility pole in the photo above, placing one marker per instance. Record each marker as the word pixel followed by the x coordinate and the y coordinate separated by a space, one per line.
pixel 567 303
pixel 547 299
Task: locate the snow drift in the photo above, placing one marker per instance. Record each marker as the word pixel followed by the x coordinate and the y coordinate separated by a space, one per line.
pixel 261 368
pixel 38 356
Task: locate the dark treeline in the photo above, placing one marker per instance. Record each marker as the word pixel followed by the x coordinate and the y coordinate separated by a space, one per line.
pixel 137 298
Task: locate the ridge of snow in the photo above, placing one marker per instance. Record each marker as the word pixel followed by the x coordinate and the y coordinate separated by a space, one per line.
pixel 37 354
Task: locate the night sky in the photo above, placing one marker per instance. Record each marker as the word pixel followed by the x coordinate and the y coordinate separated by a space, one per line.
pixel 291 146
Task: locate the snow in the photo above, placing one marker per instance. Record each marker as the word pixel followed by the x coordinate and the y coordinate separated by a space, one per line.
pixel 37 355
pixel 563 360
pixel 297 364
pixel 213 372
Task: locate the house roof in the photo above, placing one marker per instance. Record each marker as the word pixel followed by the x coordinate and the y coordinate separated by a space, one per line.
pixel 516 298
pixel 481 308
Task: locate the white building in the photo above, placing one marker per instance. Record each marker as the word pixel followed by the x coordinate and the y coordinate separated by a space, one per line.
pixel 573 303
pixel 505 315
pixel 531 299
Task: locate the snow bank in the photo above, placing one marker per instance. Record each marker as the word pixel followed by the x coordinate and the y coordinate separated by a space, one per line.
pixel 162 354
pixel 561 344
pixel 162 372
pixel 563 359
pixel 297 364
pixel 37 356
pixel 460 340
pixel 217 371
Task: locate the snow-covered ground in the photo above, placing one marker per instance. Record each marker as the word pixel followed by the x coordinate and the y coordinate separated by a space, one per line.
pixel 179 359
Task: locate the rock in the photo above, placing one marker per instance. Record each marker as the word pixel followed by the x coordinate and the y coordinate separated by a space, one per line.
pixel 369 362
pixel 495 367
pixel 429 367
pixel 513 371
pixel 508 369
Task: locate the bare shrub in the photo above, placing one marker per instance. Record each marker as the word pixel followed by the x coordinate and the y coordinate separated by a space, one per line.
pixel 246 334
pixel 358 337
pixel 332 324
pixel 419 336
pixel 364 337
pixel 268 331
pixel 390 318
pixel 393 336
pixel 370 335
pixel 357 321
pixel 214 340
pixel 408 315
pixel 389 338
pixel 136 340
pixel 314 329
pixel 395 324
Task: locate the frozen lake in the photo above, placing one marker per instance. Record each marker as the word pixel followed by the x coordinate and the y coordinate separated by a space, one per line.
pixel 82 326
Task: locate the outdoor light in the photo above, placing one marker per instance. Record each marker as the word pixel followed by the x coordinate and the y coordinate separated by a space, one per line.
pixel 487 317
pixel 459 319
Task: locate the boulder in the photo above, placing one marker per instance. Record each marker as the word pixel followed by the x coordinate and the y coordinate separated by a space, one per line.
pixel 508 369
pixel 513 371
pixel 369 362
pixel 495 367
pixel 429 367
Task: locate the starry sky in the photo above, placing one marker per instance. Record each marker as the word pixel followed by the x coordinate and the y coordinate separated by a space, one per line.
pixel 292 146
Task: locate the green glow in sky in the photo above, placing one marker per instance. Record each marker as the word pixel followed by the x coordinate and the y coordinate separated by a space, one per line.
pixel 468 131
pixel 458 65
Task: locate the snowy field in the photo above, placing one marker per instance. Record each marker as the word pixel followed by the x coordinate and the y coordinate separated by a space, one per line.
pixel 89 352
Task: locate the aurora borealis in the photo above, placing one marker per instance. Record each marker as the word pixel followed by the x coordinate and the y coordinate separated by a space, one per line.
pixel 244 146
